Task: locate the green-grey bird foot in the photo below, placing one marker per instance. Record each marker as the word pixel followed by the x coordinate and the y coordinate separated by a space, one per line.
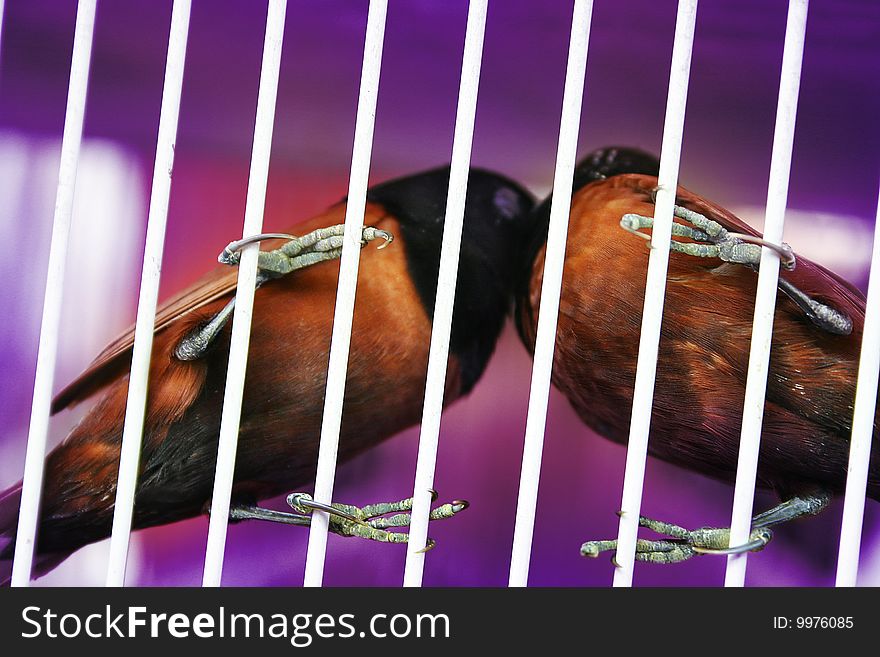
pixel 300 252
pixel 373 521
pixel 711 240
pixel 297 253
pixel 682 544
pixel 370 522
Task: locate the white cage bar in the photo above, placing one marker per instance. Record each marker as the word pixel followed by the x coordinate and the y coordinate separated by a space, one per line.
pixel 438 355
pixel 655 291
pixel 863 426
pixel 551 289
pixel 765 300
pixel 32 484
pixel 343 315
pixel 133 427
pixel 2 11
pixel 258 179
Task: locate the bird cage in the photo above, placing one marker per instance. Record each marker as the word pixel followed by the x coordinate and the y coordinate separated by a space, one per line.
pixel 173 114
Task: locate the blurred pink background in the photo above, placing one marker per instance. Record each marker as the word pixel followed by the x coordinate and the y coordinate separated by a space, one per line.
pixel 728 135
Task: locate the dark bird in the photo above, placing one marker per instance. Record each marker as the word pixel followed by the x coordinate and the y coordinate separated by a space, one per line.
pixel 287 362
pixel 704 346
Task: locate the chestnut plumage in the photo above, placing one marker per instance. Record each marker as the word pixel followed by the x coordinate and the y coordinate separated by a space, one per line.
pixel 287 362
pixel 704 344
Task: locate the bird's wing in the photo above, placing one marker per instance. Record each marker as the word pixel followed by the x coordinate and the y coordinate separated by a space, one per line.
pixel 217 284
pixel 116 356
pixel 802 351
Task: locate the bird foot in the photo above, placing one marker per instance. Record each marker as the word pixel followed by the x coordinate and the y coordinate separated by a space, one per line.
pixel 373 521
pixel 297 253
pixel 711 240
pixel 682 543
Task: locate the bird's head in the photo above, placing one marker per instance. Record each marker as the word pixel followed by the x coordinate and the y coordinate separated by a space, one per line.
pixel 497 223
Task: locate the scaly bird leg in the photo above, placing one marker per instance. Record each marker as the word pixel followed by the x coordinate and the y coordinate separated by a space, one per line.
pixel 370 522
pixel 662 552
pixel 794 507
pixel 712 240
pixel 684 544
pixel 821 315
pixel 297 253
pixel 248 512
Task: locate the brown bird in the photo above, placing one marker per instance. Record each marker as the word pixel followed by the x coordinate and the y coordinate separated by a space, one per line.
pixel 704 346
pixel 287 362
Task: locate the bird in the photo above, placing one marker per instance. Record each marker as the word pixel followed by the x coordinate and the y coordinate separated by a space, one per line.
pixel 704 347
pixel 286 369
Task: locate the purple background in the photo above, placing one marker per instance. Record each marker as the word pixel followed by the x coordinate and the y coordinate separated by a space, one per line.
pixel 726 153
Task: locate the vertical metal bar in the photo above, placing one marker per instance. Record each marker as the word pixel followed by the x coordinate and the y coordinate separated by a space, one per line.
pixel 32 485
pixel 551 288
pixel 863 426
pixel 258 178
pixel 765 300
pixel 2 13
pixel 132 431
pixel 438 353
pixel 655 291
pixel 340 341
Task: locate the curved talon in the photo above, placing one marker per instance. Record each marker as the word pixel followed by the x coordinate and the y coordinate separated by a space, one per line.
pixel 429 545
pixel 630 222
pixel 459 505
pixel 434 494
pixel 385 235
pixel 227 254
pixel 785 252
pixel 301 502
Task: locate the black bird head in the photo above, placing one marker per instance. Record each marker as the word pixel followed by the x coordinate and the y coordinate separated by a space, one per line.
pixel 610 161
pixel 497 224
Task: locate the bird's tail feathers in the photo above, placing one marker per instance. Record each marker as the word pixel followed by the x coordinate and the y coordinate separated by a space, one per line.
pixel 10 500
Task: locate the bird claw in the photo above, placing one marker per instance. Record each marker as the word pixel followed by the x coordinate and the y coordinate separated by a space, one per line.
pixel 291 255
pixel 711 240
pixel 230 254
pixel 297 253
pixel 304 504
pixel 372 522
pixel 370 233
pixel 681 544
